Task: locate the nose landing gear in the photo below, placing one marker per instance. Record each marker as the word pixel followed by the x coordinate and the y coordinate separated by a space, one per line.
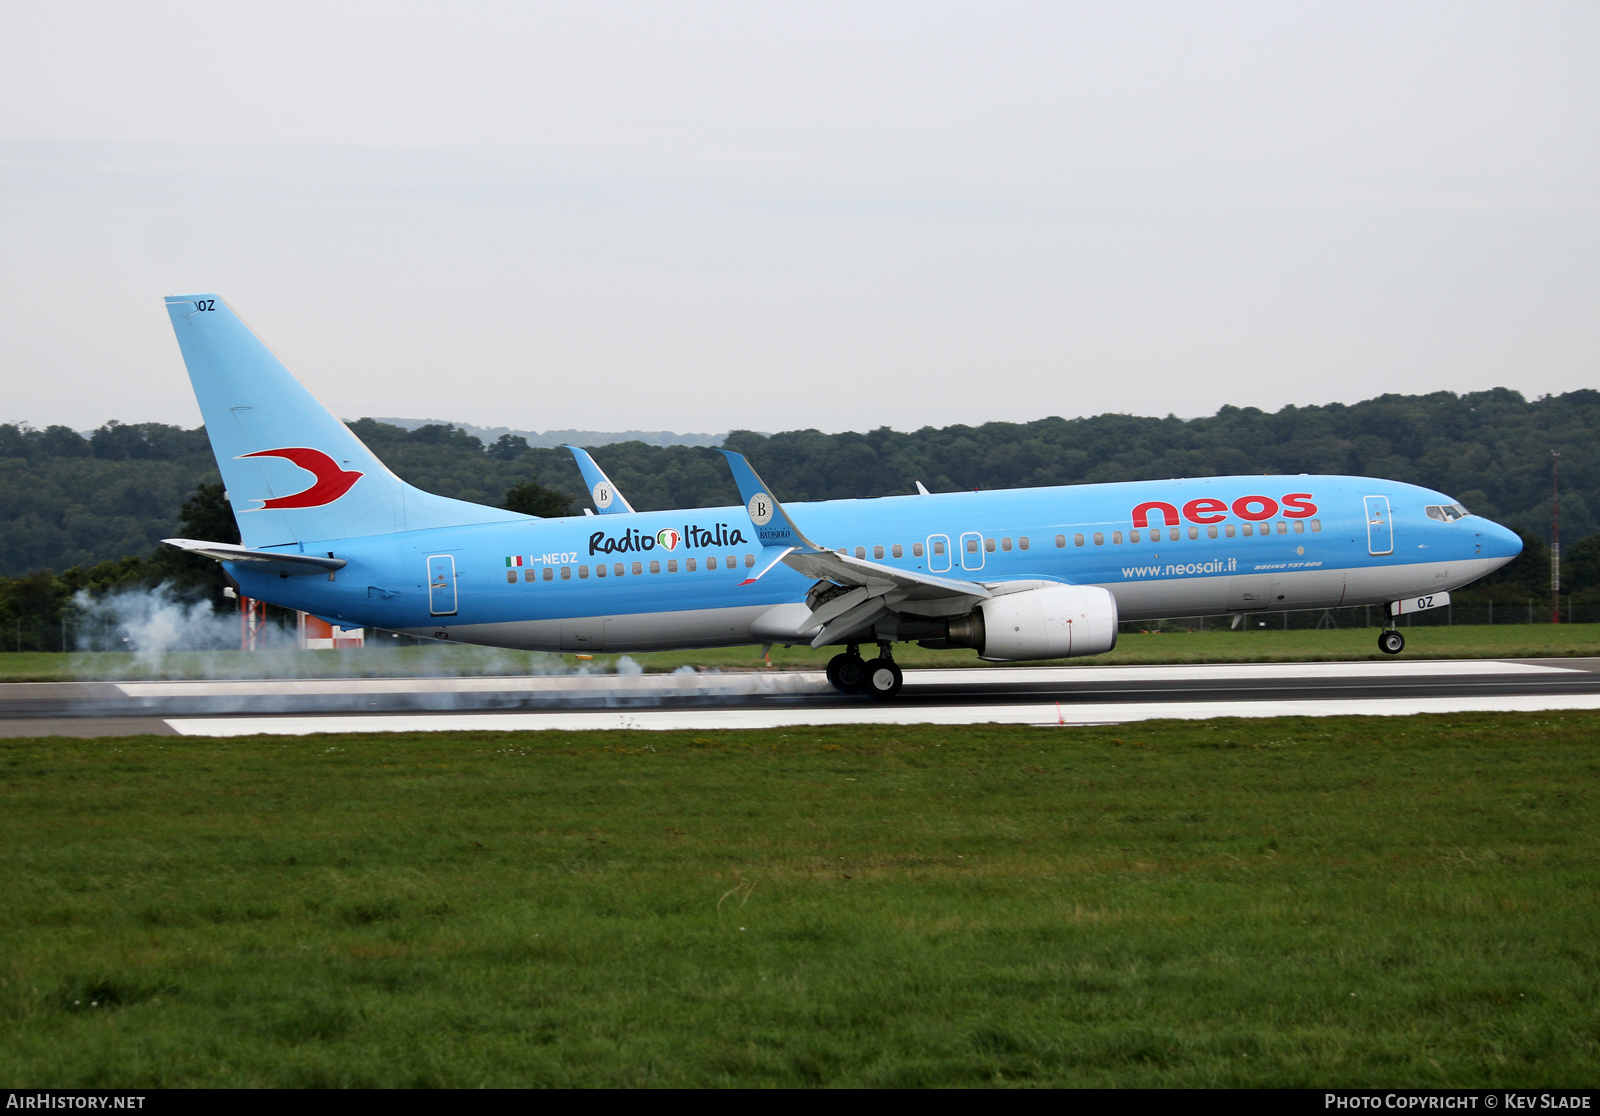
pixel 1390 641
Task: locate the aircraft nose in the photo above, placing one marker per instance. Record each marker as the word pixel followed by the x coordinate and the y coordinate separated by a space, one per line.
pixel 1501 544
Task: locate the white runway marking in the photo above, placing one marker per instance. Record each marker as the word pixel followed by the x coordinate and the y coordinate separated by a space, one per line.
pixel 1040 713
pixel 1229 672
pixel 741 683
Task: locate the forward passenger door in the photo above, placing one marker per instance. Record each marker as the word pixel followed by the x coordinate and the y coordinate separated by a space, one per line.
pixel 1380 530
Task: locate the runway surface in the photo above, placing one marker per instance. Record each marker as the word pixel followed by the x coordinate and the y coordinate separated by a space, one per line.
pixel 689 700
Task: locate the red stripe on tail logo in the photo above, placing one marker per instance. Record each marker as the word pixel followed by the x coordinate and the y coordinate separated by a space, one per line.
pixel 332 481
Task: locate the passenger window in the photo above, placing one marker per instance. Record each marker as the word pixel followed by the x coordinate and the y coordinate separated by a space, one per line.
pixel 711 563
pixel 583 573
pixel 549 573
pixel 897 551
pixel 566 573
pixel 916 550
pixel 1005 544
pixel 1116 537
pixel 1316 526
pixel 972 546
pixel 511 576
pixel 749 561
pixel 861 552
pixel 1173 534
pixel 529 574
pixel 638 568
pixel 1077 540
pixel 1228 530
pixel 1194 532
pixel 1211 532
pixel 988 546
pixel 733 561
pixel 938 548
pixel 1022 542
pixel 619 569
pixel 672 565
pixel 1248 530
pixel 600 570
pixel 689 565
pixel 877 552
pixel 1283 528
pixel 655 567
pixel 1299 526
pixel 1061 541
pixel 1133 536
pixel 1099 538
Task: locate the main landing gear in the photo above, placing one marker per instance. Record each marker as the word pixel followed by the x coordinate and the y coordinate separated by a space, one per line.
pixel 1390 641
pixel 879 678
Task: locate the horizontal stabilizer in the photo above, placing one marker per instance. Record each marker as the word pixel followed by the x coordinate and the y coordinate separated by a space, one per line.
pixel 266 561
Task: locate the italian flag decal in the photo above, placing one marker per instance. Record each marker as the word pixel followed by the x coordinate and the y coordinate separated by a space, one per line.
pixel 514 560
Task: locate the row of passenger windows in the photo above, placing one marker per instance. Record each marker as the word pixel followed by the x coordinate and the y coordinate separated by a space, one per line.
pixel 621 569
pixel 898 551
pixel 1247 530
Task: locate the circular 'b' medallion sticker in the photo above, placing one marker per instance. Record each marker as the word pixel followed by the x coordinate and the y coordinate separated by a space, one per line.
pixel 602 495
pixel 760 508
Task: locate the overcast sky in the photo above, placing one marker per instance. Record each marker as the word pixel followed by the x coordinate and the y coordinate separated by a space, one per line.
pixel 699 217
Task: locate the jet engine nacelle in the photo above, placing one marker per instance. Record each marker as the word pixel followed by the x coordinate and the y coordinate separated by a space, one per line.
pixel 1054 622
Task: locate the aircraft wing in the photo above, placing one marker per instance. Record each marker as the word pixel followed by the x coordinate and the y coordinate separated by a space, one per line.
pixel 607 500
pixel 851 592
pixel 267 561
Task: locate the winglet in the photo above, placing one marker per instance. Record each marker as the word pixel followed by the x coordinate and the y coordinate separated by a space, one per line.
pixel 773 526
pixel 607 500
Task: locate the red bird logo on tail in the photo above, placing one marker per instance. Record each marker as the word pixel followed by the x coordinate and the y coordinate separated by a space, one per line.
pixel 332 481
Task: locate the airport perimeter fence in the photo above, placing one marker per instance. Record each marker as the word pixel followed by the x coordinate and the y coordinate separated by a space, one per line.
pixel 1520 610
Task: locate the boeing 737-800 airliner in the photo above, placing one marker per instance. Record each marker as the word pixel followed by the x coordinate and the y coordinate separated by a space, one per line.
pixel 1022 574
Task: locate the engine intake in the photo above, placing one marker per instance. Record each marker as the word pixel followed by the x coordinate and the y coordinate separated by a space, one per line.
pixel 1055 622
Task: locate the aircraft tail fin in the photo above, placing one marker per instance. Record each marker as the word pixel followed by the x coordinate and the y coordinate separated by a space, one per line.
pixel 293 471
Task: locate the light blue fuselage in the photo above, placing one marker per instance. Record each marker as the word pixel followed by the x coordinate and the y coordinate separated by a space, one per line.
pixel 1363 541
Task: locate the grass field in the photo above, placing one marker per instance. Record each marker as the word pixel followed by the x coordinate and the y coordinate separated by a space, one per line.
pixel 1320 902
pixel 1269 645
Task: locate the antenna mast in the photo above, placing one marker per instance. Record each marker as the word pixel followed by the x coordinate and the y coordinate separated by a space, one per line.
pixel 1555 540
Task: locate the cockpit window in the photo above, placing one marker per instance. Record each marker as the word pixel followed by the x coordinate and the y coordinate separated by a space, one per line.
pixel 1447 513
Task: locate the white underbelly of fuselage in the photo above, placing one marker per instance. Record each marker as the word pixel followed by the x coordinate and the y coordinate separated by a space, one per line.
pixel 638 631
pixel 1281 590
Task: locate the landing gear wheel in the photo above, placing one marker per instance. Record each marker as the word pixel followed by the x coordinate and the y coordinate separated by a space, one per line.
pixel 882 679
pixel 846 673
pixel 1391 642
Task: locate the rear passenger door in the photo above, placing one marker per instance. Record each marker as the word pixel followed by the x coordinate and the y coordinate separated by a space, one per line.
pixel 441 585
